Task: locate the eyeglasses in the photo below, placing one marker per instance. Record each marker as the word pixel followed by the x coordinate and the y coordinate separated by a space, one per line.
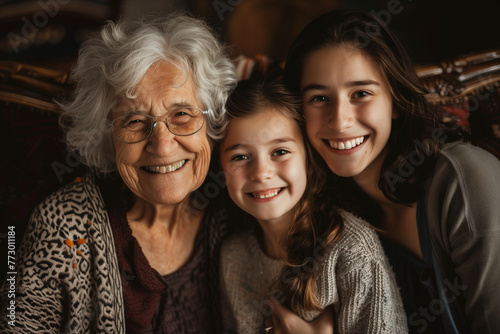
pixel 136 127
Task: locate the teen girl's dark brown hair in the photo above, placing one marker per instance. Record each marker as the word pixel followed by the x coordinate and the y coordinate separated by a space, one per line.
pixel 418 133
pixel 317 223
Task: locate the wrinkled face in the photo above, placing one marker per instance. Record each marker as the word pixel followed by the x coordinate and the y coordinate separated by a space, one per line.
pixel 164 168
pixel 264 161
pixel 348 110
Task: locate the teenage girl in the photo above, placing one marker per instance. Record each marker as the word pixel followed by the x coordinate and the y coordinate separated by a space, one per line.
pixel 434 197
pixel 332 258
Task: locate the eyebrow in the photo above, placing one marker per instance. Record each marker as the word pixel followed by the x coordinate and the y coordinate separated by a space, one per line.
pixel 355 83
pixel 275 141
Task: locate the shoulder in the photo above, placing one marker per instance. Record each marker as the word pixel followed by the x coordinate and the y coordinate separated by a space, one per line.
pixel 468 176
pixel 80 198
pixel 237 245
pixel 467 160
pixel 358 250
pixel 76 193
pixel 66 215
pixel 356 273
pixel 358 240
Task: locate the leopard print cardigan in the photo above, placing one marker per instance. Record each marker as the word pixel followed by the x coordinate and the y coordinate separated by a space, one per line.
pixel 68 279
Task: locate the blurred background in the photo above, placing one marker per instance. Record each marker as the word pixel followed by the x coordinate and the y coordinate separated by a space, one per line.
pixel 49 32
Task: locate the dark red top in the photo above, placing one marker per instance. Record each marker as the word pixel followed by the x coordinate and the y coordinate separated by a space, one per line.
pixel 175 303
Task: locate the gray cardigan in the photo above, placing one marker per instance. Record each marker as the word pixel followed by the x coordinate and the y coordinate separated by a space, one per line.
pixel 463 213
pixel 354 277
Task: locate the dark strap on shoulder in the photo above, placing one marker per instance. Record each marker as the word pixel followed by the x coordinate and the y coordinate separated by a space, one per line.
pixel 453 324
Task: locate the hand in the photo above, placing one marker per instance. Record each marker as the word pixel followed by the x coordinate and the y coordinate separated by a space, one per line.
pixel 284 321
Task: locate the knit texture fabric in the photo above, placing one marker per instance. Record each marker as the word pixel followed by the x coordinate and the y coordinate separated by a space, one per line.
pixel 354 277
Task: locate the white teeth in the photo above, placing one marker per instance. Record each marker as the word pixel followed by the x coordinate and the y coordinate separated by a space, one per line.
pixel 346 145
pixel 267 196
pixel 166 169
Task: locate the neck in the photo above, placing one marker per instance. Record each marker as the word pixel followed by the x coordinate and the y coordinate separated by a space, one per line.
pixel 275 232
pixel 167 217
pixel 398 221
pixel 368 181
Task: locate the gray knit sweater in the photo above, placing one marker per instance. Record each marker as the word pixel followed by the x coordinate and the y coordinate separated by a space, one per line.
pixel 354 278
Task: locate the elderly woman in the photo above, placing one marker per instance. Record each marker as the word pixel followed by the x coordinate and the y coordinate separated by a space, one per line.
pixel 133 250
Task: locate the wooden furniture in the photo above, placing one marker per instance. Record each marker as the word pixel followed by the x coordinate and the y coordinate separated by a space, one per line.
pixel 34 160
pixel 469 87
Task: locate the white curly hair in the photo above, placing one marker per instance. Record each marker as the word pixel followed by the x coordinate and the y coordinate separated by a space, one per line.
pixel 113 62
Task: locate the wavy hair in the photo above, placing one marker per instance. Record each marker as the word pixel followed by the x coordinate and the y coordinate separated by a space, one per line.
pixel 111 63
pixel 317 223
pixel 413 131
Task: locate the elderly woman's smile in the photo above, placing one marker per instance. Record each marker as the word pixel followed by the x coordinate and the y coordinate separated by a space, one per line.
pixel 162 168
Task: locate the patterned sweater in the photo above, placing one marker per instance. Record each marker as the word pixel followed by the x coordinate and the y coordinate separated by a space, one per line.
pixel 68 278
pixel 354 278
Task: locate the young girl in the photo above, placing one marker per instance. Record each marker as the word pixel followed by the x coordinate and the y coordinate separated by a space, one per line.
pixel 332 257
pixel 434 198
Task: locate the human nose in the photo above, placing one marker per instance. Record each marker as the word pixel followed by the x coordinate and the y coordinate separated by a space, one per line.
pixel 261 170
pixel 161 141
pixel 341 116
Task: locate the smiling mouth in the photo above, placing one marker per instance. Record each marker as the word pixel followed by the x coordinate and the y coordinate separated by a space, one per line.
pixel 269 193
pixel 164 169
pixel 346 144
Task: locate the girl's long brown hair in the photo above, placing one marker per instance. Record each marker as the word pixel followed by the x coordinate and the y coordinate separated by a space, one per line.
pixel 317 223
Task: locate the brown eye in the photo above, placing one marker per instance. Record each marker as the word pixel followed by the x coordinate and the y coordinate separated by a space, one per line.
pixel 239 157
pixel 318 98
pixel 360 94
pixel 280 152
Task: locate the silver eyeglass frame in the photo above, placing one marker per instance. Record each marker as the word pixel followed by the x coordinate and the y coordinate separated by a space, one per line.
pixel 154 122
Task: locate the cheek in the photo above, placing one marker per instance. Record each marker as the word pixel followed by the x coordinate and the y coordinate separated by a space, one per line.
pixel 234 178
pixel 127 154
pixel 312 130
pixel 234 183
pixel 200 145
pixel 203 158
pixel 297 175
